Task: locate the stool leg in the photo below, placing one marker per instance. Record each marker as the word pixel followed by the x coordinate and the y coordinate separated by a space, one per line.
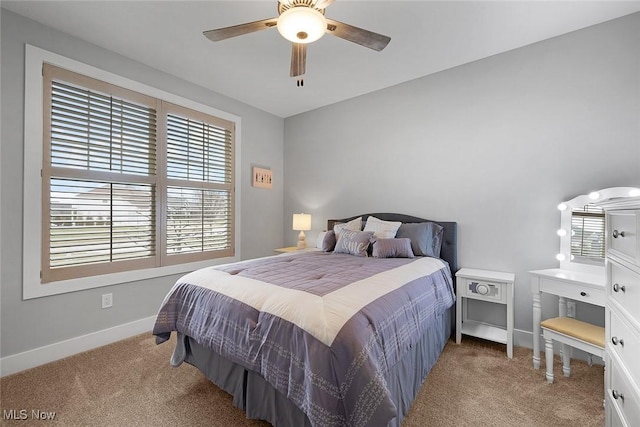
pixel 566 360
pixel 548 353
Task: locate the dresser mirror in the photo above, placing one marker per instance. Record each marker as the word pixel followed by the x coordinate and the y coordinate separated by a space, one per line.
pixel 582 229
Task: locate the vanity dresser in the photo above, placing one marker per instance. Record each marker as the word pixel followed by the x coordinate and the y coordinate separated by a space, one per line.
pixel 622 312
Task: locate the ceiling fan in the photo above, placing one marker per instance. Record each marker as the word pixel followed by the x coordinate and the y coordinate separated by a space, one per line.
pixel 303 22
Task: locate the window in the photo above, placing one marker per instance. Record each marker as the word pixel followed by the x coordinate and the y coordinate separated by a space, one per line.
pixel 587 232
pixel 130 181
pixel 200 185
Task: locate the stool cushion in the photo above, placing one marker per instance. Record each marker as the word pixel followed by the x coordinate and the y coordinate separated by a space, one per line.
pixel 575 328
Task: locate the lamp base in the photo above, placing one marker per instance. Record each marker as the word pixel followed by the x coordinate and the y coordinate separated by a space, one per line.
pixel 302 241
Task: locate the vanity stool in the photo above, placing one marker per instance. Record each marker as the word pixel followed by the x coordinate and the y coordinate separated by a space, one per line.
pixel 571 333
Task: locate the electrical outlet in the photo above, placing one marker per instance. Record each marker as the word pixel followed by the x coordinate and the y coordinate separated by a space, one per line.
pixel 107 300
pixel 571 309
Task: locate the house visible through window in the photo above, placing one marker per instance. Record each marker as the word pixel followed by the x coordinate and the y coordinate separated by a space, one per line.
pixel 587 232
pixel 130 181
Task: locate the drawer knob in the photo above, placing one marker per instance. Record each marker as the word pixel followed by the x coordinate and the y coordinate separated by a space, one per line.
pixel 617 395
pixel 617 233
pixel 618 288
pixel 583 293
pixel 616 341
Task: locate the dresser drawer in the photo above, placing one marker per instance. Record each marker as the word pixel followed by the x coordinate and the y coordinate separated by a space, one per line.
pixel 624 286
pixel 613 417
pixel 624 342
pixel 622 228
pixel 623 395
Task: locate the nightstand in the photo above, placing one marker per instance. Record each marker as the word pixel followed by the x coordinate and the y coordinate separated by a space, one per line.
pixel 287 249
pixel 491 286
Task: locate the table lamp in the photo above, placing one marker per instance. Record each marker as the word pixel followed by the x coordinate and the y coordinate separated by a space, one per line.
pixel 302 223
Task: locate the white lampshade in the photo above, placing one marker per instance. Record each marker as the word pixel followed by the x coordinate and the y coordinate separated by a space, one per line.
pixel 301 222
pixel 302 24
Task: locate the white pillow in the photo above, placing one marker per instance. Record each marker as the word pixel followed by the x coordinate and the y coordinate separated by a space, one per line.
pixel 320 239
pixel 382 229
pixel 353 225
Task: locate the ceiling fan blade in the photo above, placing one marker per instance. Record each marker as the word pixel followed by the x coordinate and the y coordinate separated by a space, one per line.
pixel 357 35
pixel 298 59
pixel 322 4
pixel 238 30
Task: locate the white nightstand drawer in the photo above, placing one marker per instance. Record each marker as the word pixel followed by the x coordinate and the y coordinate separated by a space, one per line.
pixel 623 232
pixel 624 286
pixel 623 394
pixel 484 290
pixel 625 343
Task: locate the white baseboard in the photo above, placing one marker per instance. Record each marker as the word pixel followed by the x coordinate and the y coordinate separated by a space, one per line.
pixel 522 338
pixel 52 352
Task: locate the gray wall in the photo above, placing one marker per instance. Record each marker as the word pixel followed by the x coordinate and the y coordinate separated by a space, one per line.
pixel 35 323
pixel 494 145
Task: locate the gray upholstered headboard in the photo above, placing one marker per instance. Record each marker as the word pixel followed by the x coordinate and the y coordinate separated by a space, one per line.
pixel 449 250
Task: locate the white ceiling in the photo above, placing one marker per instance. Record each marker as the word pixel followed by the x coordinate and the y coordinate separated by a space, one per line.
pixel 426 37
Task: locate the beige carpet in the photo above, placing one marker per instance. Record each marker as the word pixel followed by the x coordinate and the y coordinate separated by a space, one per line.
pixel 130 383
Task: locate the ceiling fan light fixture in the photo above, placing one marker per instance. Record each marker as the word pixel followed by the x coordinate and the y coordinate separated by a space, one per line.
pixel 302 24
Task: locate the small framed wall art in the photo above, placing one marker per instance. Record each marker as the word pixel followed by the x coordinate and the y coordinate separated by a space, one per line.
pixel 262 178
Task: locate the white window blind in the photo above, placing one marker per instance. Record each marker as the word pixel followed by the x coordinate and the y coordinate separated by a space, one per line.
pixel 110 203
pixel 587 232
pixel 200 183
pixel 98 132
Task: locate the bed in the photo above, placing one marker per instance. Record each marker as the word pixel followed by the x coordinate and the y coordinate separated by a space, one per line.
pixel 322 338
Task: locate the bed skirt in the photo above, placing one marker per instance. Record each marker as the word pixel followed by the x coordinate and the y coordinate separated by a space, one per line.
pixel 259 400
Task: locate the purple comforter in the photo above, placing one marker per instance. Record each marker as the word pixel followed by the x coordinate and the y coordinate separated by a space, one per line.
pixel 322 329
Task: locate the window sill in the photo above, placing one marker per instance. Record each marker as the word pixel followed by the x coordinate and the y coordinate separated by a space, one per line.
pixel 33 288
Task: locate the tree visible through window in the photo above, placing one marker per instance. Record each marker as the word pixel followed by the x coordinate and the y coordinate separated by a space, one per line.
pixel 199 193
pixel 130 181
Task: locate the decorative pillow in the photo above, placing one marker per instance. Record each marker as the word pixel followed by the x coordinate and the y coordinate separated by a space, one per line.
pixel 326 241
pixel 353 225
pixel 392 248
pixel 353 242
pixel 382 229
pixel 426 238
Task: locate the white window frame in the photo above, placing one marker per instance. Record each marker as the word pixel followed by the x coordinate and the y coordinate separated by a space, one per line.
pixel 33 154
